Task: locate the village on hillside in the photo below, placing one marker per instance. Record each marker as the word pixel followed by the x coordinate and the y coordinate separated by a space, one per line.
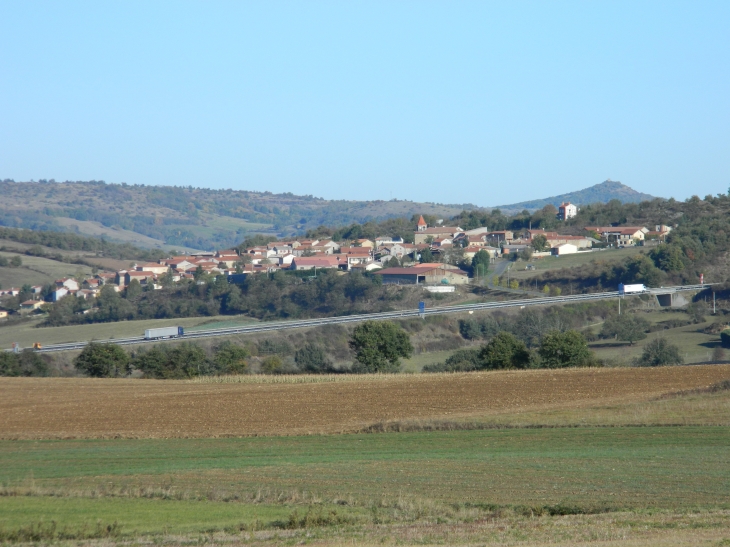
pixel 432 260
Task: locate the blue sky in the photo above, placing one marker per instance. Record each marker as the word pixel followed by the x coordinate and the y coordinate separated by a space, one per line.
pixel 453 102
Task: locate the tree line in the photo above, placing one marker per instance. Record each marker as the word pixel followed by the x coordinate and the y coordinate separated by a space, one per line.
pixel 264 296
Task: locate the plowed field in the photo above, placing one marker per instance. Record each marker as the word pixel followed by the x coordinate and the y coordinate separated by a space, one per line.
pixel 38 408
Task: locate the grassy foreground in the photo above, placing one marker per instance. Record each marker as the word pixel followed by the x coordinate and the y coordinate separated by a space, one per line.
pixel 587 468
pixel 552 485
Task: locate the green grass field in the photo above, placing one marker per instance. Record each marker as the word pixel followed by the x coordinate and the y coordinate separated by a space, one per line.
pixel 26 333
pixel 694 345
pixel 629 467
pixel 569 261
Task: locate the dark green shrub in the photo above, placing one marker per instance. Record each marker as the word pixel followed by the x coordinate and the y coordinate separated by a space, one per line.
pixel 565 349
pixel 504 351
pixel 231 359
pixel 102 360
pixel 185 360
pixel 312 358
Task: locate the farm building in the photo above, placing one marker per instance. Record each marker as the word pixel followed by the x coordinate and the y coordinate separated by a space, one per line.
pixel 564 249
pixel 29 306
pixel 425 274
pixel 311 262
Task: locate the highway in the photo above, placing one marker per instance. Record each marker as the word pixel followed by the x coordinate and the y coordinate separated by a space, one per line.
pixel 307 323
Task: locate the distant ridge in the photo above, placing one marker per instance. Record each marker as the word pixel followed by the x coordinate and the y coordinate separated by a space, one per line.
pixel 599 193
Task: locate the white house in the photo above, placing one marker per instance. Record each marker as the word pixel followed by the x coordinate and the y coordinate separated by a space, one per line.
pixel 567 210
pixel 70 284
pixel 59 293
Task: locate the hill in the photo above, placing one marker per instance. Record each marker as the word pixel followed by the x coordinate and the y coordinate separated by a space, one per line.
pixel 198 218
pixel 599 193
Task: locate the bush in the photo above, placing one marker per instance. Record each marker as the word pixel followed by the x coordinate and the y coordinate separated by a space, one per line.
pixel 718 354
pixel 102 360
pixel 272 365
pixel 312 358
pixel 470 329
pixel 627 328
pixel 27 363
pixel 504 351
pixel 725 338
pixel 565 349
pixel 463 360
pixel 659 352
pixel 185 360
pixel 231 359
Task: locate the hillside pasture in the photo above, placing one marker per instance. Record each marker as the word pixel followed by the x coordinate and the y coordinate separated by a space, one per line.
pixel 38 271
pixel 610 255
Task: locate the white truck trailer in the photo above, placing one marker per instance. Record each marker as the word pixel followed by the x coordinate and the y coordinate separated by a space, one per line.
pixel 164 332
pixel 631 289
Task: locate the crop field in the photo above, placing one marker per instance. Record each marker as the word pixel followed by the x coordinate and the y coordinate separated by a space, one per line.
pixel 43 408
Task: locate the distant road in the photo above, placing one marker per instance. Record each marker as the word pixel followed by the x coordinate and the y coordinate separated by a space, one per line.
pixel 307 323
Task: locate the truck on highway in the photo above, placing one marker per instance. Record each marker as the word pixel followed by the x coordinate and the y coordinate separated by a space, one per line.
pixel 631 289
pixel 164 332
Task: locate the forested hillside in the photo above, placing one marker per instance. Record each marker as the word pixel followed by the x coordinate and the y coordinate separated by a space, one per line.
pixel 169 217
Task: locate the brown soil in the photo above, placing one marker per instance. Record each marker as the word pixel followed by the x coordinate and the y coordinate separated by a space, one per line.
pixel 38 408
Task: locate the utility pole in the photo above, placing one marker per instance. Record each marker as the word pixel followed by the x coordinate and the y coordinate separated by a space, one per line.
pixel 714 309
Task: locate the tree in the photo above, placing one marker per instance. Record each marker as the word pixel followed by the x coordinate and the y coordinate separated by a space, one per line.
pixel 669 258
pixel 504 351
pixel 102 360
pixel 426 255
pixel 480 263
pixel 166 279
pixel 16 261
pixel 565 349
pixel 546 290
pixel 379 345
pixel 540 243
pixel 312 358
pixel 231 359
pixel 627 328
pixel 659 352
pixel 133 290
